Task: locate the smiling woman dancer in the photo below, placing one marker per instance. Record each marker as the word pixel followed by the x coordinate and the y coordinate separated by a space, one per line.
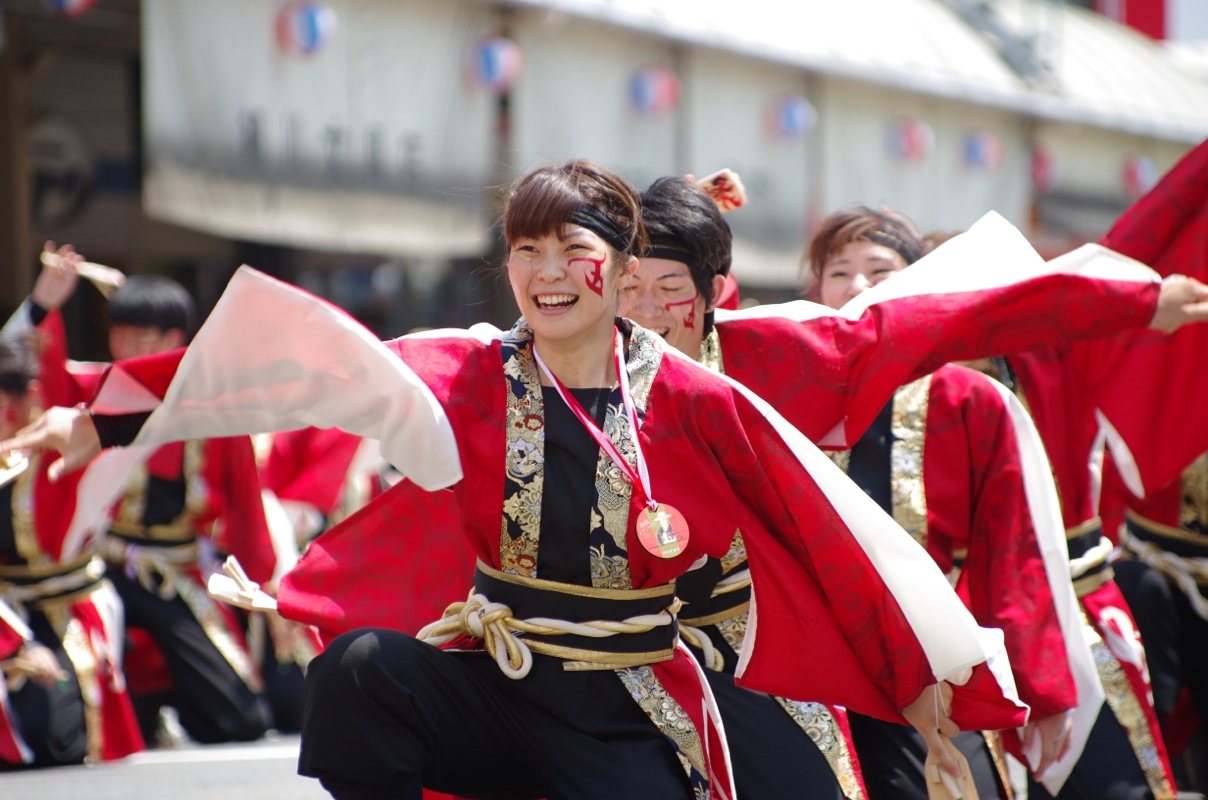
pixel 569 441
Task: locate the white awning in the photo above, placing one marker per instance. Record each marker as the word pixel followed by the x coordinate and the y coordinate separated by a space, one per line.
pixel 1092 70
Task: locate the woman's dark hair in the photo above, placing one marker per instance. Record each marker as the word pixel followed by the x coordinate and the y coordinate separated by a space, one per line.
pixel 861 224
pixel 152 301
pixel 684 224
pixel 17 367
pixel 542 201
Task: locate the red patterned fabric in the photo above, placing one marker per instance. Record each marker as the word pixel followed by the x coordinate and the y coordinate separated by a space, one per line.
pixel 977 501
pixel 831 370
pixel 818 591
pixel 310 466
pixel 234 517
pixel 1165 430
pixel 405 577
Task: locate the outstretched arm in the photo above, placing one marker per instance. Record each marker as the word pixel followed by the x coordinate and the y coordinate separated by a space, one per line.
pixel 269 358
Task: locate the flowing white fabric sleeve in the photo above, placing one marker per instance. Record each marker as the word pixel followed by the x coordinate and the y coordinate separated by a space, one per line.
pixel 1050 534
pixel 272 357
pixel 991 254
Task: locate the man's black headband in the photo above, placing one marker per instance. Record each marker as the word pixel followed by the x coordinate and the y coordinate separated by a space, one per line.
pixel 672 250
pixel 595 221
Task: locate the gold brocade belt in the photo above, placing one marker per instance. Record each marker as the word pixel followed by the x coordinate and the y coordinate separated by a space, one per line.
pixel 43 585
pixel 1089 551
pixel 173 533
pixel 588 628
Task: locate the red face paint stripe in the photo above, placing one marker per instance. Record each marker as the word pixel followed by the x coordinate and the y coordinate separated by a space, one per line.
pixel 690 319
pixel 594 280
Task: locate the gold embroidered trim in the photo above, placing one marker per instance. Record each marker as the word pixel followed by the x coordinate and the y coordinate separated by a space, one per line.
pixel 820 725
pixel 520 525
pixel 667 715
pixel 713 619
pixel 909 427
pixel 998 755
pixel 1090 583
pixel 1194 513
pixel 1126 707
pixel 579 660
pixel 736 556
pixel 44 570
pixel 171 534
pixel 83 661
pixel 207 613
pixel 1092 524
pixel 26 539
pixel 710 352
pixel 1166 531
pixel 128 517
pixel 840 458
pixel 662 590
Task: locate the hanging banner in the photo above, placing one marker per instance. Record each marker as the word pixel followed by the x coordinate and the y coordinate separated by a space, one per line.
pixel 342 125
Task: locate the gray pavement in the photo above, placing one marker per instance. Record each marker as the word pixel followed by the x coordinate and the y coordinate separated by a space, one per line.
pixel 265 770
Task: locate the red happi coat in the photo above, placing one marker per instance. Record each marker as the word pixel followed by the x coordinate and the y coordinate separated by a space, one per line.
pixel 61 522
pixel 826 373
pixel 232 515
pixel 969 480
pixel 1161 431
pixel 1152 434
pixel 979 519
pixel 439 422
pixel 970 330
pixel 223 486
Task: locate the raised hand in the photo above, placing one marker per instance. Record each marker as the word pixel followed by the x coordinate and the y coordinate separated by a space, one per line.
pixel 67 431
pixel 58 278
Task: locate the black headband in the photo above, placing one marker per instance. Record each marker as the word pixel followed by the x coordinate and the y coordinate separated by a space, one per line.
pixel 595 221
pixel 910 251
pixel 673 250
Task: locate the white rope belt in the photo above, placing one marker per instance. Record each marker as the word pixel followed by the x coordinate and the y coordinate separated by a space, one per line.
pixel 696 637
pixel 500 632
pixel 1092 558
pixel 53 586
pixel 733 582
pixel 1188 573
pixel 145 563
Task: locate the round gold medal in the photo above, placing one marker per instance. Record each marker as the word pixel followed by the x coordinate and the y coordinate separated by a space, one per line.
pixel 662 530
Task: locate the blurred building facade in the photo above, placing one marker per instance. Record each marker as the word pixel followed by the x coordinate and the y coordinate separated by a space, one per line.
pixel 359 147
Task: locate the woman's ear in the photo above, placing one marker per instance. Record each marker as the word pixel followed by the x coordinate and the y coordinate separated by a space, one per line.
pixel 631 265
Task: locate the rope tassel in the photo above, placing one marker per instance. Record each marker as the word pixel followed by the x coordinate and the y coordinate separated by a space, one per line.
pixel 494 623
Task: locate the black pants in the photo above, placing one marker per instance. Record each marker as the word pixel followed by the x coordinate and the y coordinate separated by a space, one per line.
pixel 772 757
pixel 386 715
pixel 1107 770
pixel 892 758
pixel 51 719
pixel 212 701
pixel 284 687
pixel 1176 651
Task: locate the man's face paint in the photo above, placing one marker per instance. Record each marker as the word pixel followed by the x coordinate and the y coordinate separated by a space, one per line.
pixel 662 296
pixel 690 304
